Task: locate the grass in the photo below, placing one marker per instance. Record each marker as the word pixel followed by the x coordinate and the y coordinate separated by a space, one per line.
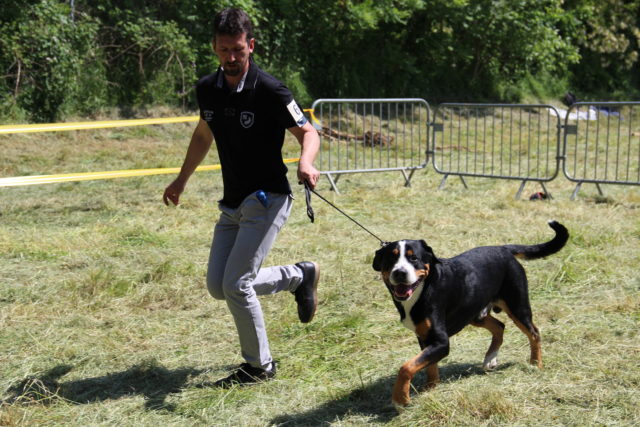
pixel 105 318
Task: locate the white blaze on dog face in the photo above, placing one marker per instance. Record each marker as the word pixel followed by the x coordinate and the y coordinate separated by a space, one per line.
pixel 407 273
pixel 404 266
pixel 403 272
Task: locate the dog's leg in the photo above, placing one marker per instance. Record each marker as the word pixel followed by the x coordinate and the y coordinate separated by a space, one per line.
pixel 433 376
pixel 436 346
pixel 522 319
pixel 496 328
pixel 400 395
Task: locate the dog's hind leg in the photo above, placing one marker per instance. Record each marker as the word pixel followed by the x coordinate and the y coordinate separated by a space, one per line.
pixel 521 316
pixel 496 328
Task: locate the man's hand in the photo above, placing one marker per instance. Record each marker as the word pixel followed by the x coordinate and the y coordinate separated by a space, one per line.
pixel 173 192
pixel 309 174
pixel 198 147
pixel 310 143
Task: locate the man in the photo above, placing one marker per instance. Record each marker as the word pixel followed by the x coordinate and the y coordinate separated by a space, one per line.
pixel 247 111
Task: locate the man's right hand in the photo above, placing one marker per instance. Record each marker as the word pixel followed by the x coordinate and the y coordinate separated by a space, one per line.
pixel 198 147
pixel 173 192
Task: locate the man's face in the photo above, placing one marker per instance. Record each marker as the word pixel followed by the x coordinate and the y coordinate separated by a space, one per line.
pixel 233 53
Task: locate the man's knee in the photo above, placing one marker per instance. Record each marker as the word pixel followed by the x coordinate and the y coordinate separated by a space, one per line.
pixel 215 287
pixel 234 290
pixel 224 290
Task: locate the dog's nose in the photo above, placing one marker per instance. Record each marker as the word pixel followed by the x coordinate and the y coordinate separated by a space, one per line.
pixel 399 275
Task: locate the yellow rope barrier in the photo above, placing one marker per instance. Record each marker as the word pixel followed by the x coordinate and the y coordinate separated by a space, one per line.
pixel 58 127
pixel 103 124
pixel 89 176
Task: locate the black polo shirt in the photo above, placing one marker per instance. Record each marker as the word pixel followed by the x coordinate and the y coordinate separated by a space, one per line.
pixel 248 124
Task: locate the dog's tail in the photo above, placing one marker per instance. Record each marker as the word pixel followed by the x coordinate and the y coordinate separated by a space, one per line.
pixel 543 249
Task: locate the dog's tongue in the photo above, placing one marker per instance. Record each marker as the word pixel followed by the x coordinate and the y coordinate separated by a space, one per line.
pixel 403 291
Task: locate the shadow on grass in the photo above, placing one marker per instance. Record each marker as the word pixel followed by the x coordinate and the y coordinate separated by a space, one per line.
pixel 155 383
pixel 373 400
pixel 148 379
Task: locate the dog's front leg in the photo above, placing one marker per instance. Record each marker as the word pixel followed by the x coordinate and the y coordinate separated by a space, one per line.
pixel 433 375
pixel 437 348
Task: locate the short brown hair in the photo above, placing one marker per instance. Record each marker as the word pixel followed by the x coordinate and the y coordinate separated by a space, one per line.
pixel 232 22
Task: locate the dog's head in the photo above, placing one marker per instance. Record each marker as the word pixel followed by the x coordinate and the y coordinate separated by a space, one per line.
pixel 404 264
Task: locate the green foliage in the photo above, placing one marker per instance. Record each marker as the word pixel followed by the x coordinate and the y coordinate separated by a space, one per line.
pixel 344 47
pixel 44 53
pixel 489 46
pixel 150 62
pixel 607 33
pixel 55 61
pixel 476 49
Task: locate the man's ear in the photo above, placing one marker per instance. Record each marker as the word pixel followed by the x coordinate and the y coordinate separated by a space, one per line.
pixel 429 255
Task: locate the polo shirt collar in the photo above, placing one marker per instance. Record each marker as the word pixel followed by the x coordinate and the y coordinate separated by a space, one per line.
pixel 248 80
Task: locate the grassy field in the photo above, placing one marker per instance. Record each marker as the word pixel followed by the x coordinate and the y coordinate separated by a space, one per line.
pixel 105 318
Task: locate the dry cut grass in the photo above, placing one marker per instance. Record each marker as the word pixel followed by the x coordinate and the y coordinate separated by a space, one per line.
pixel 105 319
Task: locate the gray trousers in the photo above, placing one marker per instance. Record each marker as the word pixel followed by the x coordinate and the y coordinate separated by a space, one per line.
pixel 242 239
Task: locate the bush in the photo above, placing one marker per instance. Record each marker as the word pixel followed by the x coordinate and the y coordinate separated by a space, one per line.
pixel 134 55
pixel 58 63
pixel 49 59
pixel 148 62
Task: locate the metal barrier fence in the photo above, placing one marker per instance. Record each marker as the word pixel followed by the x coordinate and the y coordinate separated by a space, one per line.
pixel 371 135
pixel 504 141
pixel 597 142
pixel 602 144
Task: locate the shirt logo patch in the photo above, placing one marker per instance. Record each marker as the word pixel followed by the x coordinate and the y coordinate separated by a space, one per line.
pixel 246 119
pixel 207 115
pixel 295 112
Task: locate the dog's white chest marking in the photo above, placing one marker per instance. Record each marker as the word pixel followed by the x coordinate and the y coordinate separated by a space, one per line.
pixel 408 305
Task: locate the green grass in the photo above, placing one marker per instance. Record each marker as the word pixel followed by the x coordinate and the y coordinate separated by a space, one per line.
pixel 105 318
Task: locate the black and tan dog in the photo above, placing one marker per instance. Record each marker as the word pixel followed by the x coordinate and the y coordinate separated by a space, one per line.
pixel 437 298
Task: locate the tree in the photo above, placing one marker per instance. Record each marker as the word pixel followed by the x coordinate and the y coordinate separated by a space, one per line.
pixel 607 34
pixel 45 58
pixel 479 49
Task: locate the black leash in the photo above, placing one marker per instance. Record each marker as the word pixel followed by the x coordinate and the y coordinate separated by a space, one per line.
pixel 308 190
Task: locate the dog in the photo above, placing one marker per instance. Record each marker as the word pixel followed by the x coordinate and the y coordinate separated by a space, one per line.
pixel 437 298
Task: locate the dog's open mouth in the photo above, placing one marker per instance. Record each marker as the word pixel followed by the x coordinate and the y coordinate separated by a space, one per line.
pixel 403 292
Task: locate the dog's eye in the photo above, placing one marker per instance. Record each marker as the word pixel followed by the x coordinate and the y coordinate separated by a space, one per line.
pixel 413 258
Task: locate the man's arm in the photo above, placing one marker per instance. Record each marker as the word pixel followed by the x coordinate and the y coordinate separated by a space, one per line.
pixel 310 144
pixel 198 148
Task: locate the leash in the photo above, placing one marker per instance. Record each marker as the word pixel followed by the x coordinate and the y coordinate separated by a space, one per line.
pixel 307 192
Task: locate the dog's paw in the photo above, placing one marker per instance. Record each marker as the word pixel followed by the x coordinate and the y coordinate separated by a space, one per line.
pixel 490 362
pixel 400 408
pixel 536 362
pixel 400 402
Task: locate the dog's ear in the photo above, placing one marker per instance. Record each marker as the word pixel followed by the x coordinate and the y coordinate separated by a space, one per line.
pixel 430 257
pixel 377 259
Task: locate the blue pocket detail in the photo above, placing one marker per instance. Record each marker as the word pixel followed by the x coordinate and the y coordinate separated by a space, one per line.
pixel 262 197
